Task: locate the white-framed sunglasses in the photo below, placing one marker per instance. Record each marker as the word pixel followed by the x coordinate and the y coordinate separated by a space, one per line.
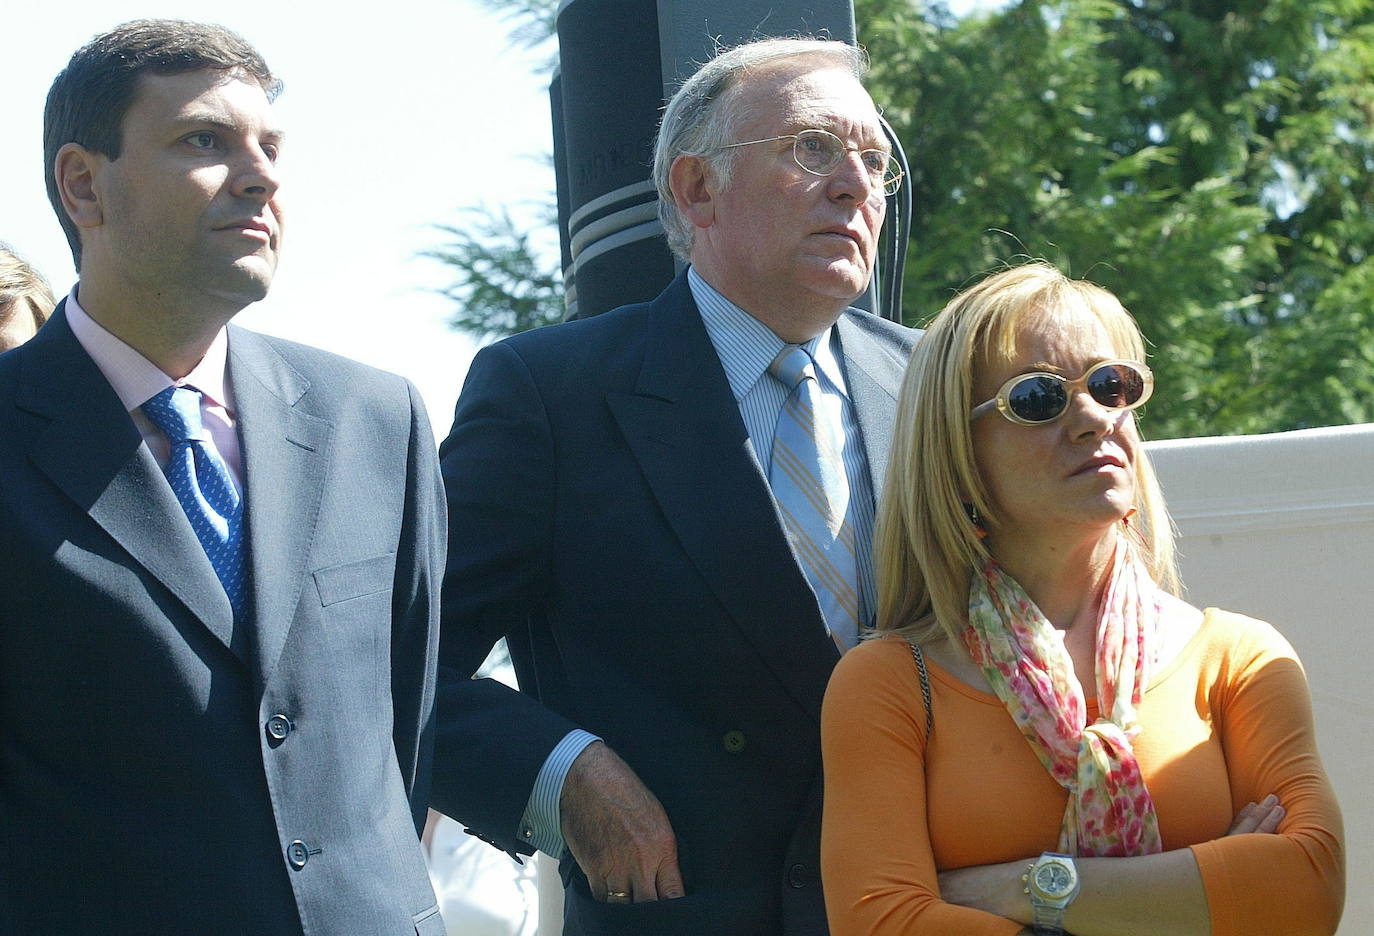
pixel 1038 398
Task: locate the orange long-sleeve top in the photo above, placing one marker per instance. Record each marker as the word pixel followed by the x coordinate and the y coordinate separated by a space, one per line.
pixel 1226 722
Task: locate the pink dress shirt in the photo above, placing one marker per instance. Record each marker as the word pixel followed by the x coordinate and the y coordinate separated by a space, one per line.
pixel 136 380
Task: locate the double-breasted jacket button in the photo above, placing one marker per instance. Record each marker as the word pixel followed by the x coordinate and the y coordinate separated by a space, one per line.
pixel 733 741
pixel 297 854
pixel 278 727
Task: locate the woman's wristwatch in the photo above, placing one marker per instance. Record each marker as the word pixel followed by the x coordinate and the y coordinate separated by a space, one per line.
pixel 1052 882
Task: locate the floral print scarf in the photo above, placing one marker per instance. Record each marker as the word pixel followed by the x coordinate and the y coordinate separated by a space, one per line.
pixel 1110 812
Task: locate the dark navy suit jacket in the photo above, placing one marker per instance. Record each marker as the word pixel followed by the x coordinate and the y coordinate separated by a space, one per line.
pixel 145 787
pixel 607 515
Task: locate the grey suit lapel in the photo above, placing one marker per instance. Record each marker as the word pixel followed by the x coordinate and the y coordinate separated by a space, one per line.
pixel 92 451
pixel 285 457
pixel 870 371
pixel 684 429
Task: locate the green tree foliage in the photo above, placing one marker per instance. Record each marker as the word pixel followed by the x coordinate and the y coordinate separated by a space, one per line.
pixel 502 283
pixel 1210 162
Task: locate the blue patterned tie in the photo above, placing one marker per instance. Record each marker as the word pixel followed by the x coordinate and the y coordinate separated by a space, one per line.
pixel 808 481
pixel 201 482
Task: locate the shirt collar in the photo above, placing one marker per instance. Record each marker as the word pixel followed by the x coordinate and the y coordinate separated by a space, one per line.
pixel 136 379
pixel 746 346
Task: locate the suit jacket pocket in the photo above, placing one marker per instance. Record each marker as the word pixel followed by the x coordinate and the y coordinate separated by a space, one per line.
pixel 429 922
pixel 355 579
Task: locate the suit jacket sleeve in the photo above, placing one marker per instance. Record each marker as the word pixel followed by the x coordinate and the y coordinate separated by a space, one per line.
pixel 499 469
pixel 415 611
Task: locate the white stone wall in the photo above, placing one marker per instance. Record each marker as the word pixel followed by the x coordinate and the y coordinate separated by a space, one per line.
pixel 1281 527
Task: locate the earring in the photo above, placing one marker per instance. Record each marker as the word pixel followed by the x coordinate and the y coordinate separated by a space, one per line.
pixel 979 530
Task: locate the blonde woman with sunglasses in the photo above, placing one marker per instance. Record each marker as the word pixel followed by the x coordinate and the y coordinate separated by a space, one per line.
pixel 1041 737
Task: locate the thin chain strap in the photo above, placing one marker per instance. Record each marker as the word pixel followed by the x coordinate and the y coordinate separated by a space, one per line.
pixel 925 686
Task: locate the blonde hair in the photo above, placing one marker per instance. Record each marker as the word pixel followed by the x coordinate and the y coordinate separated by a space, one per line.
pixel 23 289
pixel 925 544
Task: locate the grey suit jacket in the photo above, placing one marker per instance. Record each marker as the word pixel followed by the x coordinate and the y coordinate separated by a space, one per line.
pixel 165 768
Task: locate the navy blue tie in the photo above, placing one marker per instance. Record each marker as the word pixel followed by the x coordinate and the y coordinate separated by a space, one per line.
pixel 202 484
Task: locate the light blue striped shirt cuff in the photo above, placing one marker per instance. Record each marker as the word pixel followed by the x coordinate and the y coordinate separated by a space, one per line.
pixel 541 825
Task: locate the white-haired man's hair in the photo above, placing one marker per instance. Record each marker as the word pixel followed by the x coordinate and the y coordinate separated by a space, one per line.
pixel 703 114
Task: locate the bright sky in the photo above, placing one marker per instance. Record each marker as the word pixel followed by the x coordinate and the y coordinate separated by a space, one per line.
pixel 396 122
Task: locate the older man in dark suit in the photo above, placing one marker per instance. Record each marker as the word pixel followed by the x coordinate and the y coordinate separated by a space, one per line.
pixel 668 510
pixel 218 611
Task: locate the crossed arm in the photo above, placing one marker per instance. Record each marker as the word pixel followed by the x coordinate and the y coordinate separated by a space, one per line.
pixel 879 862
pixel 1143 896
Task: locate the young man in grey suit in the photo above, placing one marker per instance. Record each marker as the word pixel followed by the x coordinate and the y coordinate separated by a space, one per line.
pixel 668 510
pixel 218 598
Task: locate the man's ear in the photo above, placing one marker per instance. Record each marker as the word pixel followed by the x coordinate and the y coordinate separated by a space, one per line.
pixel 74 169
pixel 693 186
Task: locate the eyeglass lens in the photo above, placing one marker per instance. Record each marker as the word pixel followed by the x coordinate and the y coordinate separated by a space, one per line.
pixel 1115 385
pixel 1038 398
pixel 1041 397
pixel 821 152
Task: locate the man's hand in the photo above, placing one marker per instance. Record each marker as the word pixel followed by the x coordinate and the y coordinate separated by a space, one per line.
pixel 617 829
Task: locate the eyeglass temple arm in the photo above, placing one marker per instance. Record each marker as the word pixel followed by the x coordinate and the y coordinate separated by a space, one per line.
pixel 982 408
pixel 785 136
pixel 898 230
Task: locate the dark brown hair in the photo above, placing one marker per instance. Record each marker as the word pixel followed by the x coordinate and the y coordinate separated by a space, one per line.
pixel 89 98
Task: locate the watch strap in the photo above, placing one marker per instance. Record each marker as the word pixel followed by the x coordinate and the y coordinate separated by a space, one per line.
pixel 1047 920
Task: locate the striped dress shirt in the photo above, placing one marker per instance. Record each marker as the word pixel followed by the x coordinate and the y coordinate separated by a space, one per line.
pixel 746 347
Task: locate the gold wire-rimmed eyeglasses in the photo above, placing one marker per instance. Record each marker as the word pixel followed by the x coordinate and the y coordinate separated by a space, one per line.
pixel 820 152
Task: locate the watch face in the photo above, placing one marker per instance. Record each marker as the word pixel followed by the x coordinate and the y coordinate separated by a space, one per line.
pixel 1053 879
